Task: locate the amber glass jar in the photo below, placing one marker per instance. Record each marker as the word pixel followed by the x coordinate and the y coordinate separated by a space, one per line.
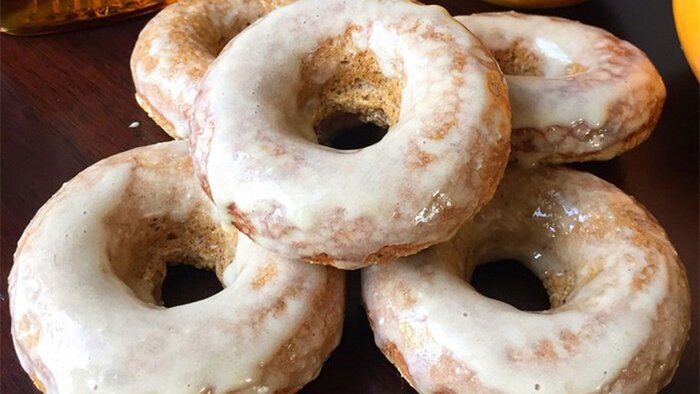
pixel 30 17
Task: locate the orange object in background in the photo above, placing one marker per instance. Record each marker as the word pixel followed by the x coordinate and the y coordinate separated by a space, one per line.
pixel 687 16
pixel 32 17
pixel 534 3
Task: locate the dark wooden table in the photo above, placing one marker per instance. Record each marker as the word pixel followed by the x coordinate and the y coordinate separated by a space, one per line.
pixel 67 101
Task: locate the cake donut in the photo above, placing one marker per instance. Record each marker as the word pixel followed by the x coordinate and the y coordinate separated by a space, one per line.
pixel 407 67
pixel 577 92
pixel 175 48
pixel 84 291
pixel 620 306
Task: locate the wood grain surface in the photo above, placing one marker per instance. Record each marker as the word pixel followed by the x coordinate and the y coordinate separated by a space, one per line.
pixel 67 101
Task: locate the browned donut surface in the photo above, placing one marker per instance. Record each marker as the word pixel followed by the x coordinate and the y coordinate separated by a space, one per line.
pixel 401 65
pixel 620 312
pixel 175 48
pixel 577 92
pixel 85 290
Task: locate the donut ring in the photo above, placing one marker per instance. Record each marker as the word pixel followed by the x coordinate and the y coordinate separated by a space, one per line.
pixel 620 303
pixel 87 273
pixel 578 93
pixel 175 48
pixel 395 63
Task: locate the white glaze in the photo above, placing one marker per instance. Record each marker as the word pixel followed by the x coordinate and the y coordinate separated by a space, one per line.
pixel 174 50
pixel 596 111
pixel 628 309
pixel 78 329
pixel 312 200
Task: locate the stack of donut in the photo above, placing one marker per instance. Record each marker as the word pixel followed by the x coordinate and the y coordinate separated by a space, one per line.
pixel 254 192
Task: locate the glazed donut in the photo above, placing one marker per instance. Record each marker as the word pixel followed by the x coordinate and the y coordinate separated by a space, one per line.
pixel 619 295
pixel 175 48
pixel 395 63
pixel 84 291
pixel 578 93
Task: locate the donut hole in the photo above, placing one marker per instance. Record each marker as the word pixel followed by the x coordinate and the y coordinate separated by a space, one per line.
pixel 536 281
pixel 510 281
pixel 214 33
pixel 143 248
pixel 184 284
pixel 519 59
pixel 347 131
pixel 540 58
pixel 345 95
